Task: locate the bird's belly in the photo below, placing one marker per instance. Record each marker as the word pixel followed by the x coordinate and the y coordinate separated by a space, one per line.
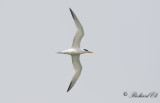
pixel 73 52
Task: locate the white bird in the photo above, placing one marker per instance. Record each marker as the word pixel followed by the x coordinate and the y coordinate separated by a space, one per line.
pixel 75 51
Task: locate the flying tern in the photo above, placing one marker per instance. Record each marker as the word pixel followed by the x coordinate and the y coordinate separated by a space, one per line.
pixel 75 51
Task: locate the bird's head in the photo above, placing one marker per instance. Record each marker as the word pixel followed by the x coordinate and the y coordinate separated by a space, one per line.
pixel 87 51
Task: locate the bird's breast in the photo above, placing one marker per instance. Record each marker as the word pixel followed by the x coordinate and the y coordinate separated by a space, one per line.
pixel 73 51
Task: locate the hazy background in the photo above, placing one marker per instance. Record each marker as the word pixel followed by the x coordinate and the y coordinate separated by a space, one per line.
pixel 123 34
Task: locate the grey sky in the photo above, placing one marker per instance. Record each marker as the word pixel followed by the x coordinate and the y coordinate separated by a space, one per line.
pixel 123 34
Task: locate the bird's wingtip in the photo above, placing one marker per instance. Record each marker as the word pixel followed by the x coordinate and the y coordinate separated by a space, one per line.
pixel 68 90
pixel 73 15
pixel 70 10
pixel 70 86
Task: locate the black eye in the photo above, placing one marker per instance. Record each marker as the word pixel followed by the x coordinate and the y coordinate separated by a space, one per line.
pixel 85 49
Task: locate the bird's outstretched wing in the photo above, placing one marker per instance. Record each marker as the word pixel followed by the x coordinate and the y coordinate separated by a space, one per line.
pixel 77 70
pixel 79 33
